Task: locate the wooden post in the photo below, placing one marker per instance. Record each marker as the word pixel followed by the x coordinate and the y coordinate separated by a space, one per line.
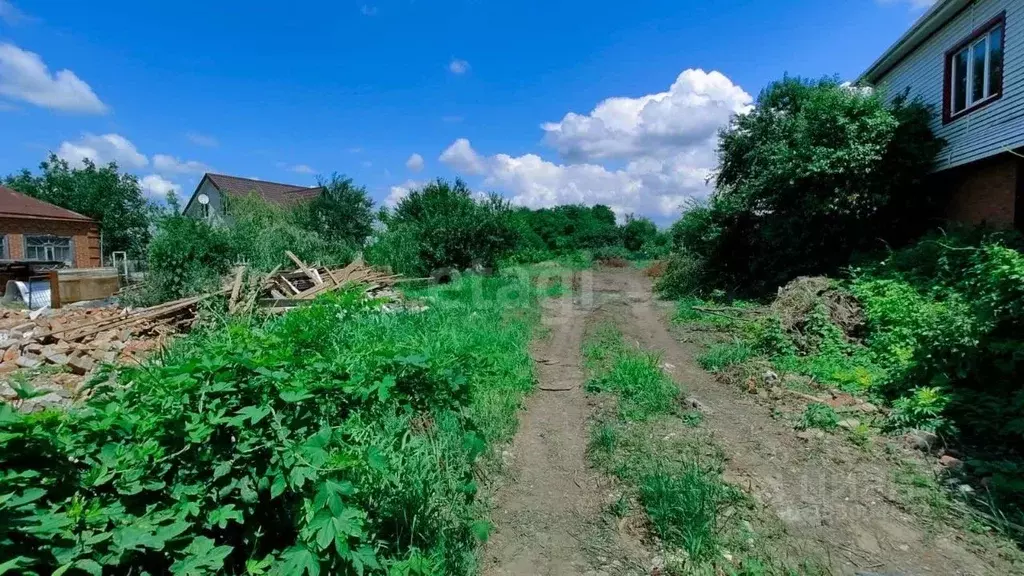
pixel 54 289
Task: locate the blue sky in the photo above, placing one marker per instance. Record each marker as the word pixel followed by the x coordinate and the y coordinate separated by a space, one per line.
pixel 543 101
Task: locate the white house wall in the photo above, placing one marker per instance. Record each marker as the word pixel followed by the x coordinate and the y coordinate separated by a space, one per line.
pixel 988 130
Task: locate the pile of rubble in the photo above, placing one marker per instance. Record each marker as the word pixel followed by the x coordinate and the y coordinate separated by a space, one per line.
pixel 74 341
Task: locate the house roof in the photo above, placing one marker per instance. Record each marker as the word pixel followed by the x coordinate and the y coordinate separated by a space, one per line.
pixel 17 205
pixel 273 192
pixel 929 23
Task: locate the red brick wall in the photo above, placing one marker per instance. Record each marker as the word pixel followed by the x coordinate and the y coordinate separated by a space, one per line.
pixel 985 192
pixel 85 237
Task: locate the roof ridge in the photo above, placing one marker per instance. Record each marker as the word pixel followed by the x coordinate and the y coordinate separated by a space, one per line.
pixel 295 186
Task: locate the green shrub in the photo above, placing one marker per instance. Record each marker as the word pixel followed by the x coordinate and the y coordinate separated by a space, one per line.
pixel 302 445
pixel 447 229
pixel 637 232
pixel 612 253
pixel 820 416
pixel 261 232
pixel 186 256
pixel 922 409
pixel 814 173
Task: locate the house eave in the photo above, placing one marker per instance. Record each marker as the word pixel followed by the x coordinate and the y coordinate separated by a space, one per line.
pixel 928 24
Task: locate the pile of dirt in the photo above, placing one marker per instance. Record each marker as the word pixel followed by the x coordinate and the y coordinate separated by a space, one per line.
pixel 799 299
pixel 656 269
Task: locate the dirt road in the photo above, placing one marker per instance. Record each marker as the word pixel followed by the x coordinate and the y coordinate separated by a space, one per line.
pixel 838 508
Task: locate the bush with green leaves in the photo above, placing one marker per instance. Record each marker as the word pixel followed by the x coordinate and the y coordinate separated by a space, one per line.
pixel 820 416
pixel 814 173
pixel 446 228
pixel 261 232
pixel 186 256
pixel 333 440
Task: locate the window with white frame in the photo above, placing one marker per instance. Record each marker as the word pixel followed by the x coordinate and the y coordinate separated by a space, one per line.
pixel 49 248
pixel 974 70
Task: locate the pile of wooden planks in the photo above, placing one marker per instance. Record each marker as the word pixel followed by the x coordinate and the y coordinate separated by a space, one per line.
pixel 282 291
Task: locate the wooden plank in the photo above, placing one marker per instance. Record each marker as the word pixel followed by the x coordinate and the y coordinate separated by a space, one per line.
pixel 331 274
pixel 302 266
pixel 290 286
pixel 235 289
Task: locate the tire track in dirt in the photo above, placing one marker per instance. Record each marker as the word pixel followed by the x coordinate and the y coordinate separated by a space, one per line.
pixel 548 514
pixel 839 510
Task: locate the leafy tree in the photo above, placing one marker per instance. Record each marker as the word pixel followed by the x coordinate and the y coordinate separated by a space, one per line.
pixel 112 198
pixel 816 172
pixel 187 256
pixel 343 213
pixel 637 232
pixel 448 228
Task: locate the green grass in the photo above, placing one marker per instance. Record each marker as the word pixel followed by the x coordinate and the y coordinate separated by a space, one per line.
pixel 820 416
pixel 334 439
pixel 721 356
pixel 643 390
pixel 672 469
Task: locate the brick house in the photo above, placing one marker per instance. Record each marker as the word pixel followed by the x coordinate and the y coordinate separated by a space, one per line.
pixel 964 58
pixel 33 230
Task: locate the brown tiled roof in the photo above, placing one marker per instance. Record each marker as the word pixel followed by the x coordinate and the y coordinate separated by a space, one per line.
pixel 273 192
pixel 17 205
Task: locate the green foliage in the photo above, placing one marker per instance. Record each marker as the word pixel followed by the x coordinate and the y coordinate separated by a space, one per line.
pixel 721 356
pixel 820 416
pixel 341 214
pixel 922 409
pixel 684 508
pixel 261 232
pixel 447 229
pixel 643 388
pixel 331 440
pixel 638 232
pixel 186 256
pixel 112 198
pixel 816 172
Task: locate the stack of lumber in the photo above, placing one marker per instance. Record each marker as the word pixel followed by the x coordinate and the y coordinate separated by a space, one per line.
pixel 285 290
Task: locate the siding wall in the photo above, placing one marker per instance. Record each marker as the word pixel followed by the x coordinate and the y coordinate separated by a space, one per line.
pixel 194 210
pixel 991 129
pixel 85 238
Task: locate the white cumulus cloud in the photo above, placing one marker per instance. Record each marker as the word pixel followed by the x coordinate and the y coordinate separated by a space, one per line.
pixel 646 186
pixel 102 150
pixel 458 66
pixel 688 115
pixel 25 77
pixel 156 187
pixel 414 163
pixel 397 193
pixel 167 164
pixel 461 156
pixel 645 155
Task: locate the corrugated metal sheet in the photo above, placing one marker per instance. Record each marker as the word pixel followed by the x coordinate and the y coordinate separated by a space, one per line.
pixel 989 130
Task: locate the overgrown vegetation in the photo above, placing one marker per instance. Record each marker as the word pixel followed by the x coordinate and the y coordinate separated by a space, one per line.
pixel 672 470
pixel 933 331
pixel 333 440
pixel 816 172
